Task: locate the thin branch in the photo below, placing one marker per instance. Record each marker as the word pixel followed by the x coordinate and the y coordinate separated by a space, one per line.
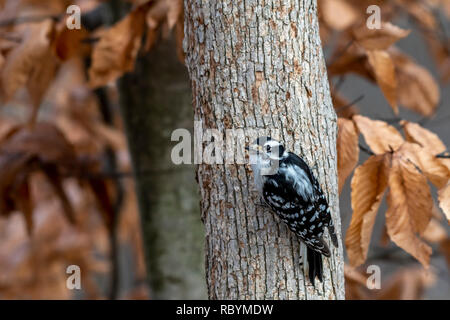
pixel 355 101
pixel 366 150
pixel 443 155
pixel 340 54
pixel 339 83
pixel 393 120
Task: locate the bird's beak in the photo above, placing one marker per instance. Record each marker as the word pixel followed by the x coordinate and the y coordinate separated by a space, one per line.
pixel 254 148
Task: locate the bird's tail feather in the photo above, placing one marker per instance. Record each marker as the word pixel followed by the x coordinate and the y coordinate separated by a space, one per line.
pixel 315 265
pixel 332 233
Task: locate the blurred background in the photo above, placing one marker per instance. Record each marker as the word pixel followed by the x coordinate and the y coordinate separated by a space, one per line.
pixel 86 119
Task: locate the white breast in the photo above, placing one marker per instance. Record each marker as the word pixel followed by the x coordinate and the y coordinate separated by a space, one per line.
pixel 257 164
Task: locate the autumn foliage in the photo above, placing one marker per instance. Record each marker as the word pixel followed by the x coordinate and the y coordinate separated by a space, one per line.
pixel 62 149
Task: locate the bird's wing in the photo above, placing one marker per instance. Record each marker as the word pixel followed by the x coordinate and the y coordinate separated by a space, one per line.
pixel 292 188
pixel 300 178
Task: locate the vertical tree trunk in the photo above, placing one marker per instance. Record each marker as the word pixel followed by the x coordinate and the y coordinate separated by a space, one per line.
pixel 259 64
pixel 156 100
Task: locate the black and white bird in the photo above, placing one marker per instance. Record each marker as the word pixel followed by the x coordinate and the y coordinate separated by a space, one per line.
pixel 287 185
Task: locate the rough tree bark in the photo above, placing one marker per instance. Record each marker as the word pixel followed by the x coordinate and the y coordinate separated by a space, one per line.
pixel 259 64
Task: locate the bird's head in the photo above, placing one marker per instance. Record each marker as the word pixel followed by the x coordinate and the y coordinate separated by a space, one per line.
pixel 266 152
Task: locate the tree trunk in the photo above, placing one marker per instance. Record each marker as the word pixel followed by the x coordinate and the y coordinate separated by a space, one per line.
pixel 156 100
pixel 259 64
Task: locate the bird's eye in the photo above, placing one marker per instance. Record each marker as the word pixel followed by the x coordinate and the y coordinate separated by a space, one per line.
pixel 268 148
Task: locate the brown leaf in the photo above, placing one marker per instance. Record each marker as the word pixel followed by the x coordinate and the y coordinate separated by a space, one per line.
pixel 435 232
pixel 440 51
pixel 432 167
pixel 384 70
pixel 41 77
pixel 409 208
pixel 69 43
pixel 347 148
pixel 423 137
pixel 43 140
pixel 27 149
pixel 351 59
pixel 355 284
pixel 406 284
pixel 338 14
pixel 53 176
pixel 378 39
pixel 174 11
pixel 417 89
pixel 433 146
pixel 368 185
pixel 32 63
pixel 421 12
pixel 444 200
pixel 117 49
pixel 24 204
pixel 379 136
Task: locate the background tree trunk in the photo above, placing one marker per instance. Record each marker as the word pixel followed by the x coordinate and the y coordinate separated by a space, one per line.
pixel 259 64
pixel 155 100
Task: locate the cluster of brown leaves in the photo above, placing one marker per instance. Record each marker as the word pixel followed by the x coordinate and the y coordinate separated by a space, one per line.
pixel 56 203
pixel 401 167
pixel 50 42
pixel 405 284
pixel 118 47
pixel 370 53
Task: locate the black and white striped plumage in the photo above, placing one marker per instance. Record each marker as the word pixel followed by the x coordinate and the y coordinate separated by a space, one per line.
pixel 289 188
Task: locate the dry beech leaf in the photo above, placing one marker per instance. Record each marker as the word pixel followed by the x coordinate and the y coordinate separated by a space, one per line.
pixel 435 232
pixel 32 63
pixel 379 136
pixel 425 138
pixel 338 14
pixel 384 70
pixel 433 145
pixel 432 167
pixel 421 13
pixel 22 198
pixel 409 208
pixel 352 274
pixel 41 77
pixel 355 284
pixel 406 284
pixel 378 39
pixel 69 42
pixel 117 49
pixel 352 59
pixel 444 200
pixel 175 9
pixel 368 185
pixel 347 148
pixel 417 89
pixel 440 52
pixel 27 149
